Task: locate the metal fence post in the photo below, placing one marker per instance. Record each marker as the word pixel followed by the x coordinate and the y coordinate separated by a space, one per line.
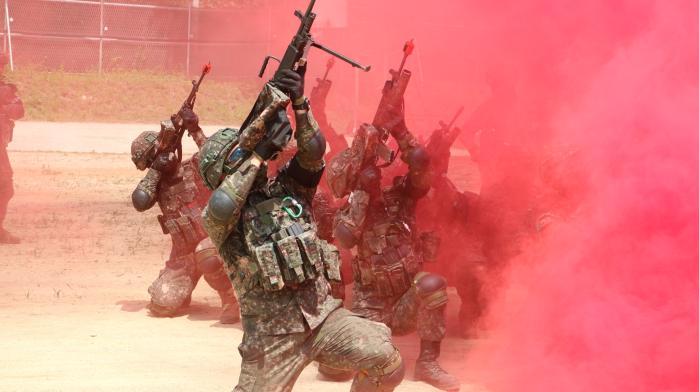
pixel 4 36
pixel 189 35
pixel 101 50
pixel 9 35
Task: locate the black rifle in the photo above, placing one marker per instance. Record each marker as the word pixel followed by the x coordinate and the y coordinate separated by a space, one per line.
pixel 392 95
pixel 320 92
pixel 446 129
pixel 262 116
pixel 169 140
pixel 297 51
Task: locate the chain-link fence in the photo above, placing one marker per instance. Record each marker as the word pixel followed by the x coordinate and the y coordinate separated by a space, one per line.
pixel 91 35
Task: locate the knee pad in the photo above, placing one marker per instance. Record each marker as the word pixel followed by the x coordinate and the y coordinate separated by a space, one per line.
pixel 385 378
pixel 170 292
pixel 391 380
pixel 431 289
pixel 207 258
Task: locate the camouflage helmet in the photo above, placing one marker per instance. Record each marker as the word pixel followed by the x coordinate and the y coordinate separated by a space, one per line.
pixel 142 149
pixel 213 155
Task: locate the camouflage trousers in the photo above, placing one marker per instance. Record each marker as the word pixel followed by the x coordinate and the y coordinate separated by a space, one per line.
pixel 172 289
pixel 344 341
pixel 404 315
pixel 6 187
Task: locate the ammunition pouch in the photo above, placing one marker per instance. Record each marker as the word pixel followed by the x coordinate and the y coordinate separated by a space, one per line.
pixel 290 252
pixel 181 193
pixel 386 280
pixel 186 230
pixel 388 262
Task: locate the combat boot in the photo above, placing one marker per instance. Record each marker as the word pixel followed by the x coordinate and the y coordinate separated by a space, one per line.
pixel 230 310
pixel 427 368
pixel 7 238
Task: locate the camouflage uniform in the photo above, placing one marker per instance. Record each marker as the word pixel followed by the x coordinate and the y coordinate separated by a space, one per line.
pixel 181 195
pixel 281 270
pixel 389 285
pixel 11 109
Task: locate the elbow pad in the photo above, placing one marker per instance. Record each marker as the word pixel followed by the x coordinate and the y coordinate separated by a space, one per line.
pixel 315 147
pixel 141 200
pixel 221 207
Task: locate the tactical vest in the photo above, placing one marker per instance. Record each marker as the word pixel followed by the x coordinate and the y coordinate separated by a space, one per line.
pixel 388 257
pixel 180 200
pixel 283 242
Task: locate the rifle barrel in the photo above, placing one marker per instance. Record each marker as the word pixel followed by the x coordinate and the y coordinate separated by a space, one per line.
pixel 365 68
pixel 456 117
pixel 402 65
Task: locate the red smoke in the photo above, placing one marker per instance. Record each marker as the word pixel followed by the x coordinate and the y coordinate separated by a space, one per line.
pixel 609 299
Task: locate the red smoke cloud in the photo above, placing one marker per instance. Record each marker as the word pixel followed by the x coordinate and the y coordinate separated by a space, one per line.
pixel 609 299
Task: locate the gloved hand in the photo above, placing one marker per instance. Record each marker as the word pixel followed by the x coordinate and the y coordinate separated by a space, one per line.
pixel 190 120
pixel 276 139
pixel 292 82
pixel 392 119
pixel 165 163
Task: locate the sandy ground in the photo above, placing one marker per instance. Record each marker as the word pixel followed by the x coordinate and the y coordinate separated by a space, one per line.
pixel 73 294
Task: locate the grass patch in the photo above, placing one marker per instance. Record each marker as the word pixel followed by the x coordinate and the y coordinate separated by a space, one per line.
pixel 126 96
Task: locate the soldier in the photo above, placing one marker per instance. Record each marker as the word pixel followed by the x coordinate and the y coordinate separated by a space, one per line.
pixel 443 204
pixel 389 284
pixel 181 194
pixel 11 109
pixel 281 270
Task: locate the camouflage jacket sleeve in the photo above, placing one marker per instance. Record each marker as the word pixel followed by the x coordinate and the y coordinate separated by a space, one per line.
pixel 418 180
pixel 349 221
pixel 199 137
pixel 303 173
pixel 307 137
pixel 222 213
pixel 146 193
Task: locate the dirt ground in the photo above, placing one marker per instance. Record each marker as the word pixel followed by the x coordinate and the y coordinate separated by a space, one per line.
pixel 73 294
